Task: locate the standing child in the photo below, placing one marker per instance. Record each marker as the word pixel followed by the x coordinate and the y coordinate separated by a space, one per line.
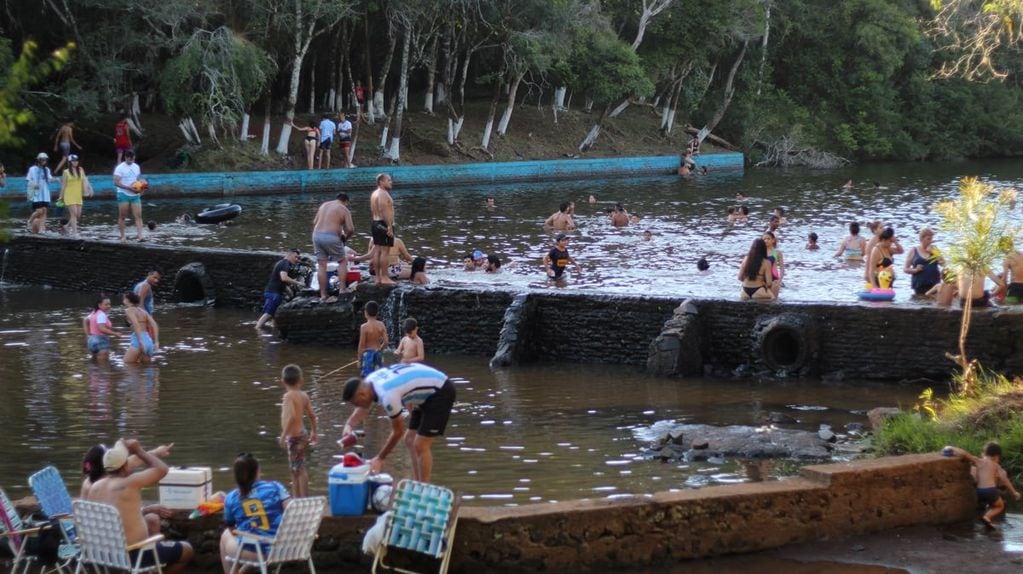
pixel 410 349
pixel 294 405
pixel 372 340
pixel 990 475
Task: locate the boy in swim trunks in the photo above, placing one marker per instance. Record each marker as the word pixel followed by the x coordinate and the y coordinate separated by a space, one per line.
pixel 990 475
pixel 372 340
pixel 294 405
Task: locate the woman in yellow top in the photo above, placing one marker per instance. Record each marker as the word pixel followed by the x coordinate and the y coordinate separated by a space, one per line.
pixel 72 192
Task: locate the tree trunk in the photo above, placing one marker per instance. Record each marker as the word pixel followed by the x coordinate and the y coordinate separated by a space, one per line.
pixel 729 92
pixel 494 101
pixel 591 136
pixel 378 95
pixel 445 71
pixel 395 152
pixel 370 119
pixel 502 126
pixel 431 76
pixel 289 115
pixel 343 67
pixel 456 115
pixel 763 44
pixel 243 135
pixel 617 111
pixel 650 10
pixel 264 144
pixel 312 87
pixel 559 98
pixel 387 125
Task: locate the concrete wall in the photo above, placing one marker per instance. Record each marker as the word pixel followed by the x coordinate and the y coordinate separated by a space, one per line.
pixel 231 184
pixel 826 501
pixel 237 277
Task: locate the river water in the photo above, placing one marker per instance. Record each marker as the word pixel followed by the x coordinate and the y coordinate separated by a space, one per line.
pixel 686 217
pixel 533 433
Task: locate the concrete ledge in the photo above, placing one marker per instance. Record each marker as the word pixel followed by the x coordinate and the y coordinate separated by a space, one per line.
pixel 232 184
pixel 826 501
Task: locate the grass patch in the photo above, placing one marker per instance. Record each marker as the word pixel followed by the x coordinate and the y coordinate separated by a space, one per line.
pixel 991 410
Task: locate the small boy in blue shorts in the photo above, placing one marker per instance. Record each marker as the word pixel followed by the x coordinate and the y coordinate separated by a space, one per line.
pixel 372 340
pixel 990 475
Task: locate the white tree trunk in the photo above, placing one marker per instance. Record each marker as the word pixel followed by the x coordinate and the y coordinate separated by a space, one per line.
pixel 763 44
pixel 383 136
pixel 442 95
pixel 559 98
pixel 332 100
pixel 619 109
pixel 378 103
pixel 395 152
pixel 136 111
pixel 244 135
pixel 502 127
pixel 669 121
pixel 487 131
pixel 590 138
pixel 312 87
pixel 264 145
pixel 651 9
pixel 454 128
pixel 296 76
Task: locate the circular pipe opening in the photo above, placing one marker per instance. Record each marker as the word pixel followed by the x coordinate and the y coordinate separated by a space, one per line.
pixel 189 288
pixel 782 348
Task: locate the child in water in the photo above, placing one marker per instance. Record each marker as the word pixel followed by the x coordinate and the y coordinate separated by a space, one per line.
pixel 811 242
pixel 372 340
pixel 295 405
pixel 990 475
pixel 410 349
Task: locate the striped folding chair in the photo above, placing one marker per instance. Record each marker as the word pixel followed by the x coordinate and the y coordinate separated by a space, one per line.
pixel 293 541
pixel 423 521
pixel 55 501
pixel 101 535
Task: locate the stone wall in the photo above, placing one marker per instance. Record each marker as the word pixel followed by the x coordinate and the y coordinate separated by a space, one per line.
pixel 826 501
pixel 235 277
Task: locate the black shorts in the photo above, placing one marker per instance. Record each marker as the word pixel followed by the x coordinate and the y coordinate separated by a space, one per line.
pixel 982 301
pixel 325 144
pixel 1015 290
pixel 40 205
pixel 430 418
pixel 169 552
pixel 380 236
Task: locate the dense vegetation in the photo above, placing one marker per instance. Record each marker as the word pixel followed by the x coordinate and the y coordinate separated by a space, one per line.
pixel 860 79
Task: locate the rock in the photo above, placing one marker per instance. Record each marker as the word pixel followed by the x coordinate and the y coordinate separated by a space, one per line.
pixel 879 415
pixel 676 437
pixel 781 418
pixel 855 428
pixel 826 435
pixel 716 460
pixel 749 442
pixel 700 445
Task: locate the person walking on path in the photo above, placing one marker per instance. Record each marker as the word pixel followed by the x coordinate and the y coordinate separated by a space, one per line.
pixel 37 189
pixel 426 393
pixel 62 142
pixel 332 227
pixel 126 174
pixel 73 189
pixel 273 294
pixel 122 137
pixel 382 207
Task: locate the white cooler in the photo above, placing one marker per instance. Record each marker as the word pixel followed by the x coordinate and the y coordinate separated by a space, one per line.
pixel 185 487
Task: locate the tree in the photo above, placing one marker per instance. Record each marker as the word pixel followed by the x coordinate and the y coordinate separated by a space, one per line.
pixel 981 232
pixel 18 76
pixel 976 34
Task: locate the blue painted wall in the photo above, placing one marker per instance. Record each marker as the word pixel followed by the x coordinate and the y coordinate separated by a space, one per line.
pixel 229 184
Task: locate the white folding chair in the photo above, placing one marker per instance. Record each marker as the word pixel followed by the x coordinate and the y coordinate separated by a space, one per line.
pixel 423 520
pixel 293 541
pixel 102 541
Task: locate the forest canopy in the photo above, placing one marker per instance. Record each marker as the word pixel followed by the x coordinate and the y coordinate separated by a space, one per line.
pixel 857 79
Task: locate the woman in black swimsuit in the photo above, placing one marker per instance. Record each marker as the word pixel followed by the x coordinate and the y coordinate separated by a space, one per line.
pixel 312 138
pixel 755 273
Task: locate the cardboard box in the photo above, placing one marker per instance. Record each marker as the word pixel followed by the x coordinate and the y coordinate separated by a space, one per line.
pixel 185 487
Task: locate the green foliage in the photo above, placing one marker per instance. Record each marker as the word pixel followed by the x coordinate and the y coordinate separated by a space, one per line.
pixel 606 67
pixel 19 75
pixel 979 226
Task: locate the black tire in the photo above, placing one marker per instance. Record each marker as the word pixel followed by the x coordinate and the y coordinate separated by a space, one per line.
pixel 192 284
pixel 786 343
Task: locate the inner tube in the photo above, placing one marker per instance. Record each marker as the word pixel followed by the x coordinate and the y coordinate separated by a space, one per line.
pixel 218 213
pixel 878 295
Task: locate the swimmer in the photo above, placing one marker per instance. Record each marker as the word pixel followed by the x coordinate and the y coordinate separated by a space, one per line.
pixel 740 197
pixel 619 217
pixel 703 266
pixel 474 261
pixel 755 273
pixel 562 218
pixel 742 216
pixel 853 246
pixel 811 242
pixel 773 224
pixel 847 185
pixel 98 329
pixel 490 203
pixel 184 219
pixel 647 235
pixel 875 227
pixel 774 256
pixel 732 214
pixel 779 212
pixel 151 225
pixel 878 186
pixel 493 264
pixel 593 199
pixel 882 258
pixel 634 219
pixel 557 259
pixel 418 272
pixel 703 170
pixel 143 345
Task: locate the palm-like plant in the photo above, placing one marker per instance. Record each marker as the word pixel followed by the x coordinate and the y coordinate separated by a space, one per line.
pixel 980 233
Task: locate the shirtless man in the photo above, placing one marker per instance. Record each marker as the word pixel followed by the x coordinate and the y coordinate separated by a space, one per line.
pixel 62 142
pixel 561 219
pixel 1013 275
pixel 619 217
pixel 332 227
pixel 382 206
pixel 972 285
pixel 123 490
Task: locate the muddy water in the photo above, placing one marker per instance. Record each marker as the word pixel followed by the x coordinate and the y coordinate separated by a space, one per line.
pixel 529 434
pixel 686 218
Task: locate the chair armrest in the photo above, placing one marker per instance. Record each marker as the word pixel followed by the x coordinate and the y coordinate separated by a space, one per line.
pixel 256 537
pixel 26 532
pixel 147 542
pixel 64 516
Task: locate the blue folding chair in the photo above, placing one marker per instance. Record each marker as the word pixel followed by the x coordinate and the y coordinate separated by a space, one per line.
pixel 55 501
pixel 423 520
pixel 16 533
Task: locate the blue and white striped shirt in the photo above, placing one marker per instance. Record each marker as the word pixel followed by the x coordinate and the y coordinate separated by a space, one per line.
pixel 405 386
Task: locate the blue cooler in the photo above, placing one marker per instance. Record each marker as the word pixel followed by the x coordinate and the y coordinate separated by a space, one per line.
pixel 349 489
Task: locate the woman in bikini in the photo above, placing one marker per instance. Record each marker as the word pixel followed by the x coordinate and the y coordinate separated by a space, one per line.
pixel 418 273
pixel 882 258
pixel 755 273
pixel 145 333
pixel 777 262
pixel 853 246
pixel 923 264
pixel 312 139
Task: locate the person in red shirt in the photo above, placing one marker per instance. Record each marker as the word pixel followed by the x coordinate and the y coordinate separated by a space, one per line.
pixel 122 137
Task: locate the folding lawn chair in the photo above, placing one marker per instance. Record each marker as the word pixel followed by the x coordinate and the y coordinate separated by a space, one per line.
pixel 423 521
pixel 55 501
pixel 293 541
pixel 16 534
pixel 101 535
